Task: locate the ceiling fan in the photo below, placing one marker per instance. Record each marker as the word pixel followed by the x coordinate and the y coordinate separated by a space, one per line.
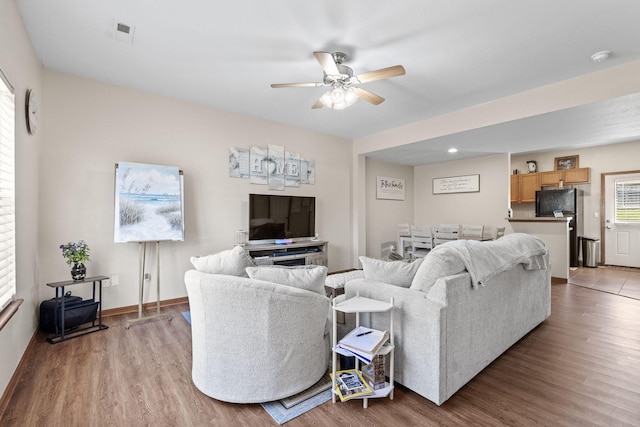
pixel 344 85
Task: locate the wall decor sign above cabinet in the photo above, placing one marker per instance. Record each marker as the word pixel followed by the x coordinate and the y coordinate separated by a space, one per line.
pixel 457 184
pixel 567 162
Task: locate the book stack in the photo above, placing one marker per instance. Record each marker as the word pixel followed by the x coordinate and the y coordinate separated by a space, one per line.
pixel 374 373
pixel 363 342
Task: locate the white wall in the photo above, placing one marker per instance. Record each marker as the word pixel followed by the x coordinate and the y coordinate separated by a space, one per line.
pixel 421 206
pixel 18 61
pixel 89 126
pixel 602 159
pixel 382 216
pixel 486 207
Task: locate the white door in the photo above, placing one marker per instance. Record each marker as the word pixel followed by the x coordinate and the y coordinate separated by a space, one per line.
pixel 622 220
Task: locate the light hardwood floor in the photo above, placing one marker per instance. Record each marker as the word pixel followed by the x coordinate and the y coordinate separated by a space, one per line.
pixel 581 367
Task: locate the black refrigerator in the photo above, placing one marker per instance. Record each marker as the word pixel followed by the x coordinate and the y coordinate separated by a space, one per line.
pixel 569 201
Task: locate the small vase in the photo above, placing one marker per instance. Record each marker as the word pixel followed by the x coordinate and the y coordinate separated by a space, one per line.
pixel 78 271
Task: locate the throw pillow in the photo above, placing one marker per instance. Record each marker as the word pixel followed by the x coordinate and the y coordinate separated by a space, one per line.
pixel 232 262
pixel 309 277
pixel 441 263
pixel 399 273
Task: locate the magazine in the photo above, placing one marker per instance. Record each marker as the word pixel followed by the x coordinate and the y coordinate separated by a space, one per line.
pixel 350 384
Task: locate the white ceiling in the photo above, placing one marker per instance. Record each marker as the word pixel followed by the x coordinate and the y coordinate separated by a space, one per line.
pixel 456 53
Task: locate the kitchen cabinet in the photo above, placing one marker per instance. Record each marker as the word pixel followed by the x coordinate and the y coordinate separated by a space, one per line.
pixel 577 176
pixel 524 187
pixel 568 176
pixel 551 177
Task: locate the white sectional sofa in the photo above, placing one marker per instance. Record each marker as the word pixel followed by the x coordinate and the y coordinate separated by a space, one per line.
pixel 467 303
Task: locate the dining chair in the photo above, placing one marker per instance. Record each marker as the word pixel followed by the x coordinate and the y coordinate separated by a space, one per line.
pixel 421 240
pixel 403 237
pixel 492 233
pixel 444 233
pixel 471 232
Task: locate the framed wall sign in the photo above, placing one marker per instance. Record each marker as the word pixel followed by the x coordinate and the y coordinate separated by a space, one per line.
pixel 568 162
pixel 457 184
pixel 389 188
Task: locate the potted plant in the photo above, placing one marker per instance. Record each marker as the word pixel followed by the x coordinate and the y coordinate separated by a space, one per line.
pixel 76 254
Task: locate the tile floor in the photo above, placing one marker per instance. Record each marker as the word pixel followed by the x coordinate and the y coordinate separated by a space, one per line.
pixel 615 280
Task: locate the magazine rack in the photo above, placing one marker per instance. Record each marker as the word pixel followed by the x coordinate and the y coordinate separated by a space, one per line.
pixel 359 305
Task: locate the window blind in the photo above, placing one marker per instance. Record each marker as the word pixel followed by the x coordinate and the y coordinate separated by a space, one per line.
pixel 7 193
pixel 627 202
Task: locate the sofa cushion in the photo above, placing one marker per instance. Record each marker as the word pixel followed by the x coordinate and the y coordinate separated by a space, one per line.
pixel 232 262
pixel 437 264
pixel 399 273
pixel 309 277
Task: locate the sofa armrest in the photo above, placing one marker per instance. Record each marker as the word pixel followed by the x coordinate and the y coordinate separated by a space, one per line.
pixel 383 291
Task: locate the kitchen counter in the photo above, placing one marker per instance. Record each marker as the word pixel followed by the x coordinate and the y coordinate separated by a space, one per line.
pixel 541 219
pixel 555 234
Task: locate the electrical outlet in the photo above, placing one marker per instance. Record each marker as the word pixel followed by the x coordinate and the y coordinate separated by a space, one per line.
pixel 115 281
pixel 147 277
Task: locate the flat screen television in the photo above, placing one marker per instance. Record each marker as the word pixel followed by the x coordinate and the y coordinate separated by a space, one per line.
pixel 273 217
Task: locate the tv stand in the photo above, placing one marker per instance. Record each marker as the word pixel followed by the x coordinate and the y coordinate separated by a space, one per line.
pixel 310 252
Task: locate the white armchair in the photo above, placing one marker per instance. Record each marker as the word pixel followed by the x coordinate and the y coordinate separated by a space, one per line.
pixel 254 340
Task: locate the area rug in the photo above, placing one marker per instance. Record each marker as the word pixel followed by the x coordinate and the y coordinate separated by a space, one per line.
pixel 287 409
pixel 284 410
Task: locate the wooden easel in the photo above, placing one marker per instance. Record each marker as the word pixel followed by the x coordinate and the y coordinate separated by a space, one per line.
pixel 141 318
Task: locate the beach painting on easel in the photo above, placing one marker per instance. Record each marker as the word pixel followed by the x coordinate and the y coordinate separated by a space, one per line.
pixel 148 203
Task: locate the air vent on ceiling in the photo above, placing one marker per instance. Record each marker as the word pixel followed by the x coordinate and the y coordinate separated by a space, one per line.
pixel 123 32
pixel 123 28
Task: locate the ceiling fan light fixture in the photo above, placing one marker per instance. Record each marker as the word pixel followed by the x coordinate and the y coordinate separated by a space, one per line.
pixel 344 85
pixel 339 98
pixel 601 56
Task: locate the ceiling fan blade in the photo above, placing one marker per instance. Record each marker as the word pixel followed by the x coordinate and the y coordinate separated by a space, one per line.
pixel 370 97
pixel 383 73
pixel 317 104
pixel 327 62
pixel 277 85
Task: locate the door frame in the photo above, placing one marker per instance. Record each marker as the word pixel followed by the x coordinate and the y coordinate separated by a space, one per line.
pixel 603 194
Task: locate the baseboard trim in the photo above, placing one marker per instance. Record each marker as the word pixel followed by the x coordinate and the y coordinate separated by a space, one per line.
pixel 145 307
pixel 559 281
pixel 17 374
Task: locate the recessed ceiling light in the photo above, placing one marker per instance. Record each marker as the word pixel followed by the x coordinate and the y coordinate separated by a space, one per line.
pixel 601 56
pixel 452 150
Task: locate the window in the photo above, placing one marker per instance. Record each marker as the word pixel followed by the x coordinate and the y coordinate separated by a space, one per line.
pixel 627 202
pixel 7 187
